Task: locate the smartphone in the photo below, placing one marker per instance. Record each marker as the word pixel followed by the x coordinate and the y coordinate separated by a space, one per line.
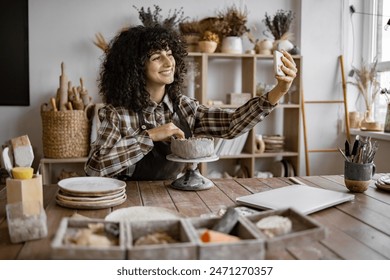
pixel 278 63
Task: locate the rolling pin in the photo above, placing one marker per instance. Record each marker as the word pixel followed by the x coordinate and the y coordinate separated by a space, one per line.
pixel 63 92
pixel 77 102
pixel 53 104
pixel 84 93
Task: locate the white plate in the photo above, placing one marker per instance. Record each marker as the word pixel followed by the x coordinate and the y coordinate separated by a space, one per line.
pixel 384 180
pixel 91 185
pixel 64 196
pixel 384 187
pixel 142 213
pixel 92 204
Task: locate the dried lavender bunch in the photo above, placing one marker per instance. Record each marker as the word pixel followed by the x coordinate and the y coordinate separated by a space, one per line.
pixel 153 18
pixel 280 23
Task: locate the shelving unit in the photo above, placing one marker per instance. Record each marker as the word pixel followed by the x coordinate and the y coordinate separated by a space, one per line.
pixel 284 120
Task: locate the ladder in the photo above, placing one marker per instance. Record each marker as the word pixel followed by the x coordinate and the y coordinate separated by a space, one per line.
pixel 303 102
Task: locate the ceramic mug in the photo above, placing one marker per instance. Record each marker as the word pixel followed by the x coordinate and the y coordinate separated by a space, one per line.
pixel 357 176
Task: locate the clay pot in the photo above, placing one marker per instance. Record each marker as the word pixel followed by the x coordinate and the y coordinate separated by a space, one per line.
pixel 207 46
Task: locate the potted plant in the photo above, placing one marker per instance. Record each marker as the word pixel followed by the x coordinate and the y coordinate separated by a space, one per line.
pixel 368 87
pixel 232 27
pixel 152 18
pixel 208 42
pixel 279 26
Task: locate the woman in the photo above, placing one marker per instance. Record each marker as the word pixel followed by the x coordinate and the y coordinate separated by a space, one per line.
pixel 141 81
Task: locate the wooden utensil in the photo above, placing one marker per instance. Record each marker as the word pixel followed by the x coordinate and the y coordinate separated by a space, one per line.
pixel 7 161
pixel 23 152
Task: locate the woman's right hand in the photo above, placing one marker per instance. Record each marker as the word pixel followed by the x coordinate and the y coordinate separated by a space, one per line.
pixel 165 132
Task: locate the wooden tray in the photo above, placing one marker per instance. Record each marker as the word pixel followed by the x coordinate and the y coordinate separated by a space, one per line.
pixel 304 229
pixel 178 229
pixel 250 247
pixel 62 251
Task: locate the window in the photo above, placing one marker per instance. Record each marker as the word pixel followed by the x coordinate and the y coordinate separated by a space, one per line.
pixel 381 39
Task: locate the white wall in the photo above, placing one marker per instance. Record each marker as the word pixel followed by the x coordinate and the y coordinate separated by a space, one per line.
pixel 63 30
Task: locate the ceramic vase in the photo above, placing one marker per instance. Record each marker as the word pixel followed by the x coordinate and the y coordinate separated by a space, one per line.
pixel 232 44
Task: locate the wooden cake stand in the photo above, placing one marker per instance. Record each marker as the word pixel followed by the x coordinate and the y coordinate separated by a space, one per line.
pixel 192 180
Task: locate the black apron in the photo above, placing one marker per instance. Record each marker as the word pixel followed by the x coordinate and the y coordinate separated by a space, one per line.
pixel 155 166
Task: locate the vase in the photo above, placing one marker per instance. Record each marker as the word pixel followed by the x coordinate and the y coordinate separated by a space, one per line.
pixel 387 120
pixel 207 46
pixel 232 44
pixel 368 122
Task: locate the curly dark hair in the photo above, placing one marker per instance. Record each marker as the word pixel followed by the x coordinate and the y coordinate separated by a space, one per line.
pixel 122 78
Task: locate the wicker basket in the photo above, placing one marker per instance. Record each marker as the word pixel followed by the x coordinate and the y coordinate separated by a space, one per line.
pixel 65 134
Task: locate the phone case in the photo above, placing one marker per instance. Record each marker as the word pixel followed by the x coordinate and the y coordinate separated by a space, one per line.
pixel 278 63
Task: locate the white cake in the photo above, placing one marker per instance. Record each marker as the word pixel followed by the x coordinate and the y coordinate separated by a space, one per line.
pixel 194 147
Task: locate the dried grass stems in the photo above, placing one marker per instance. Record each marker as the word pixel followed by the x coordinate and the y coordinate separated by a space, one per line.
pixel 233 21
pixel 280 23
pixel 190 27
pixel 367 83
pixel 151 18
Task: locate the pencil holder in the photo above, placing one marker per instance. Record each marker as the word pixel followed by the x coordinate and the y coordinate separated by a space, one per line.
pixel 357 176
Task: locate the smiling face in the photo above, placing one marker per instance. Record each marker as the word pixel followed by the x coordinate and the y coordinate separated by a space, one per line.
pixel 160 69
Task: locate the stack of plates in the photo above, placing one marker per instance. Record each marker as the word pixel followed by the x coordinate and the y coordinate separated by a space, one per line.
pixel 383 183
pixel 90 192
pixel 273 143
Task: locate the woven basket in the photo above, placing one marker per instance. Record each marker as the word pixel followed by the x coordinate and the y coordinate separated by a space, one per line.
pixel 65 134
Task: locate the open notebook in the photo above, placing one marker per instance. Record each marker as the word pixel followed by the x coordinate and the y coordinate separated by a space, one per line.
pixel 302 198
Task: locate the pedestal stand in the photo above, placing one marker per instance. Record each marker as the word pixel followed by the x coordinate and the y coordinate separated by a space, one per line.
pixel 192 180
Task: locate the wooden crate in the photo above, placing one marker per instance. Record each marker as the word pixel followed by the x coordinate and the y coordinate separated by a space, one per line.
pixel 250 247
pixel 60 250
pixel 185 249
pixel 304 229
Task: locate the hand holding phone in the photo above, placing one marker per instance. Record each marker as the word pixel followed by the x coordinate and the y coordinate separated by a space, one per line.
pixel 278 63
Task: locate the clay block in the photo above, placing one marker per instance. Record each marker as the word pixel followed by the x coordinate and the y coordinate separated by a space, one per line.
pixel 26 221
pixel 304 229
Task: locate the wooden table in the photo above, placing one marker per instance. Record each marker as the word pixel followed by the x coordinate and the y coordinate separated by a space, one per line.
pixel 356 230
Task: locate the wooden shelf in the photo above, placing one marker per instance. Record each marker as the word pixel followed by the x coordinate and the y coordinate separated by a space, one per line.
pixel 250 67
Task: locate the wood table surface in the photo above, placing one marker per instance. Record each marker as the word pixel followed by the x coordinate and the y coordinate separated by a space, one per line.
pixel 356 230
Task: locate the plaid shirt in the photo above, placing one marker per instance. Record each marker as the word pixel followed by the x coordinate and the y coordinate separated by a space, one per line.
pixel 121 143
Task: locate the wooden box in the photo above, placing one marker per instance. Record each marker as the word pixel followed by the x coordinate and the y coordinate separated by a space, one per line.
pixel 185 249
pixel 250 247
pixel 19 190
pixel 69 227
pixel 304 229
